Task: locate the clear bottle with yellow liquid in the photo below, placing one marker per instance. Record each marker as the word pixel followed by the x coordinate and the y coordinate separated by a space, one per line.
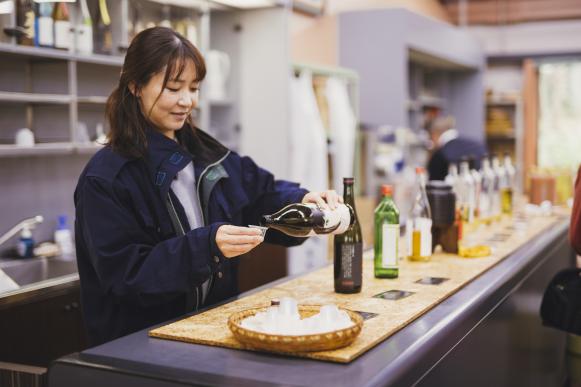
pixel 419 224
pixel 498 186
pixel 509 191
pixel 505 191
pixel 487 193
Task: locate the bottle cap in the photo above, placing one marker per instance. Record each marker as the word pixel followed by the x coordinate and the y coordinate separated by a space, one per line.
pixel 386 189
pixel 348 180
pixel 62 222
pixel 420 170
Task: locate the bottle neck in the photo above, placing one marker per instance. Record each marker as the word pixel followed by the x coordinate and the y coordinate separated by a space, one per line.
pixel 266 220
pixel 452 170
pixel 349 195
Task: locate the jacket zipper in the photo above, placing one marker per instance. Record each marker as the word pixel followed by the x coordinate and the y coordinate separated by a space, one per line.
pixel 177 220
pixel 200 202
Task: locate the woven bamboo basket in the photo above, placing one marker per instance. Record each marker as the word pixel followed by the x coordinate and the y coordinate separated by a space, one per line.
pixel 287 343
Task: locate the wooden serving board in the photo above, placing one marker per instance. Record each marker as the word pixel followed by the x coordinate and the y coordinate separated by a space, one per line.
pixel 210 327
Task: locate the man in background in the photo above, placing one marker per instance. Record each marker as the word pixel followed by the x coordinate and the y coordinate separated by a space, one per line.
pixel 450 147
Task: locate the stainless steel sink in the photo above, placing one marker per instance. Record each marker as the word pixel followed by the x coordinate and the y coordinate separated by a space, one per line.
pixel 29 271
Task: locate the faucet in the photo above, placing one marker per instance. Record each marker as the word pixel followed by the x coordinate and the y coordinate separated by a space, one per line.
pixel 29 222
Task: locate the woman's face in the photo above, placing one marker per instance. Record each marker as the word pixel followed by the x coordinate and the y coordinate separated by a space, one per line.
pixel 175 102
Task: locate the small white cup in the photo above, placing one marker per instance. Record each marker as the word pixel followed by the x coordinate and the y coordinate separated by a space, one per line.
pixel 24 137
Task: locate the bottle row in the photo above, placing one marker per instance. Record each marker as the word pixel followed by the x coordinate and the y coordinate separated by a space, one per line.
pixel 441 214
pixel 51 24
pixel 485 194
pixel 302 220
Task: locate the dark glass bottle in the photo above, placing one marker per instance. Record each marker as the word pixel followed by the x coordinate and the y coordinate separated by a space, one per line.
pixel 348 262
pixel 103 33
pixel 25 21
pixel 303 220
pixel 386 245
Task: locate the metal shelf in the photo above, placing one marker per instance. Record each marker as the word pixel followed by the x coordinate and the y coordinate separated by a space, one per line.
pixel 500 137
pixel 220 102
pixel 52 53
pixel 14 97
pixel 92 100
pixel 42 149
pixel 47 149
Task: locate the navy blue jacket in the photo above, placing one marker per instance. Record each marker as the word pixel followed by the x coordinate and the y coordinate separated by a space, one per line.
pixel 139 262
pixel 452 152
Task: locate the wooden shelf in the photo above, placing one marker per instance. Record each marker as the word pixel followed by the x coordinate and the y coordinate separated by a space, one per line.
pixel 14 97
pixel 500 137
pixel 503 103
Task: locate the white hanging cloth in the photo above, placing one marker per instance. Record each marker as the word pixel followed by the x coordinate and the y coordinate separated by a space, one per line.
pixel 308 164
pixel 342 125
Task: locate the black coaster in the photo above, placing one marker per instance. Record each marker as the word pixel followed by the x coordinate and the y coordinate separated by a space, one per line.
pixel 431 280
pixel 394 294
pixel 366 315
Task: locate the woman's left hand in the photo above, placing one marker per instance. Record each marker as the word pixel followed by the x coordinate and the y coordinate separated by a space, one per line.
pixel 325 199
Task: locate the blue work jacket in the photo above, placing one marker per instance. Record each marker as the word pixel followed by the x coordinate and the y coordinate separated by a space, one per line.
pixel 139 262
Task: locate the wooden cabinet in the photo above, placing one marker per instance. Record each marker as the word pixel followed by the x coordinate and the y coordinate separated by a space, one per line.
pixel 38 327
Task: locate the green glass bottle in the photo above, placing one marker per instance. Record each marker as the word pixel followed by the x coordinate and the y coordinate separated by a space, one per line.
pixel 348 263
pixel 386 246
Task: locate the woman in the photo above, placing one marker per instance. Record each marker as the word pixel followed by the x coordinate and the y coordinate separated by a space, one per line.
pixel 161 210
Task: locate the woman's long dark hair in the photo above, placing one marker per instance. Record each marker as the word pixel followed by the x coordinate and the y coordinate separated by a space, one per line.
pixel 150 51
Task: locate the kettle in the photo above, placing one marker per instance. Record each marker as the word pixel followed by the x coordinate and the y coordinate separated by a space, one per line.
pixel 218 71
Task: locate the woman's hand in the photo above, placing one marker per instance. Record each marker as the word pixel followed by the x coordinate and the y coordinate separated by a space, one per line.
pixel 326 199
pixel 233 240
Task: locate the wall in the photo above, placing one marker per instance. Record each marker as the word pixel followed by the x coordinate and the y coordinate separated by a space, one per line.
pixel 315 39
pixel 530 39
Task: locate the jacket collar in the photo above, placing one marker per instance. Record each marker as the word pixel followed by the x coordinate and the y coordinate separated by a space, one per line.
pixel 167 157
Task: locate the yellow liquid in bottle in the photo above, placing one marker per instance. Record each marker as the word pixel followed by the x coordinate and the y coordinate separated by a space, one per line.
pixel 416 253
pixel 506 200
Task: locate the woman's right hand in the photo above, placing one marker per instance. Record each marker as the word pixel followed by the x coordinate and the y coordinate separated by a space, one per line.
pixel 233 240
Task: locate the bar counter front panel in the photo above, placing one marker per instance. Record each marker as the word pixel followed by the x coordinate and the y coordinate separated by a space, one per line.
pixel 488 333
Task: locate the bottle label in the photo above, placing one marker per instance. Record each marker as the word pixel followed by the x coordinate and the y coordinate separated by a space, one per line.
pixel 62 34
pixel 29 24
pixel 350 259
pixel 84 39
pixel 390 245
pixel 45 27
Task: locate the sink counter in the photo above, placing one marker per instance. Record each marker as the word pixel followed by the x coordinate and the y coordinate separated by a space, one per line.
pixel 35 276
